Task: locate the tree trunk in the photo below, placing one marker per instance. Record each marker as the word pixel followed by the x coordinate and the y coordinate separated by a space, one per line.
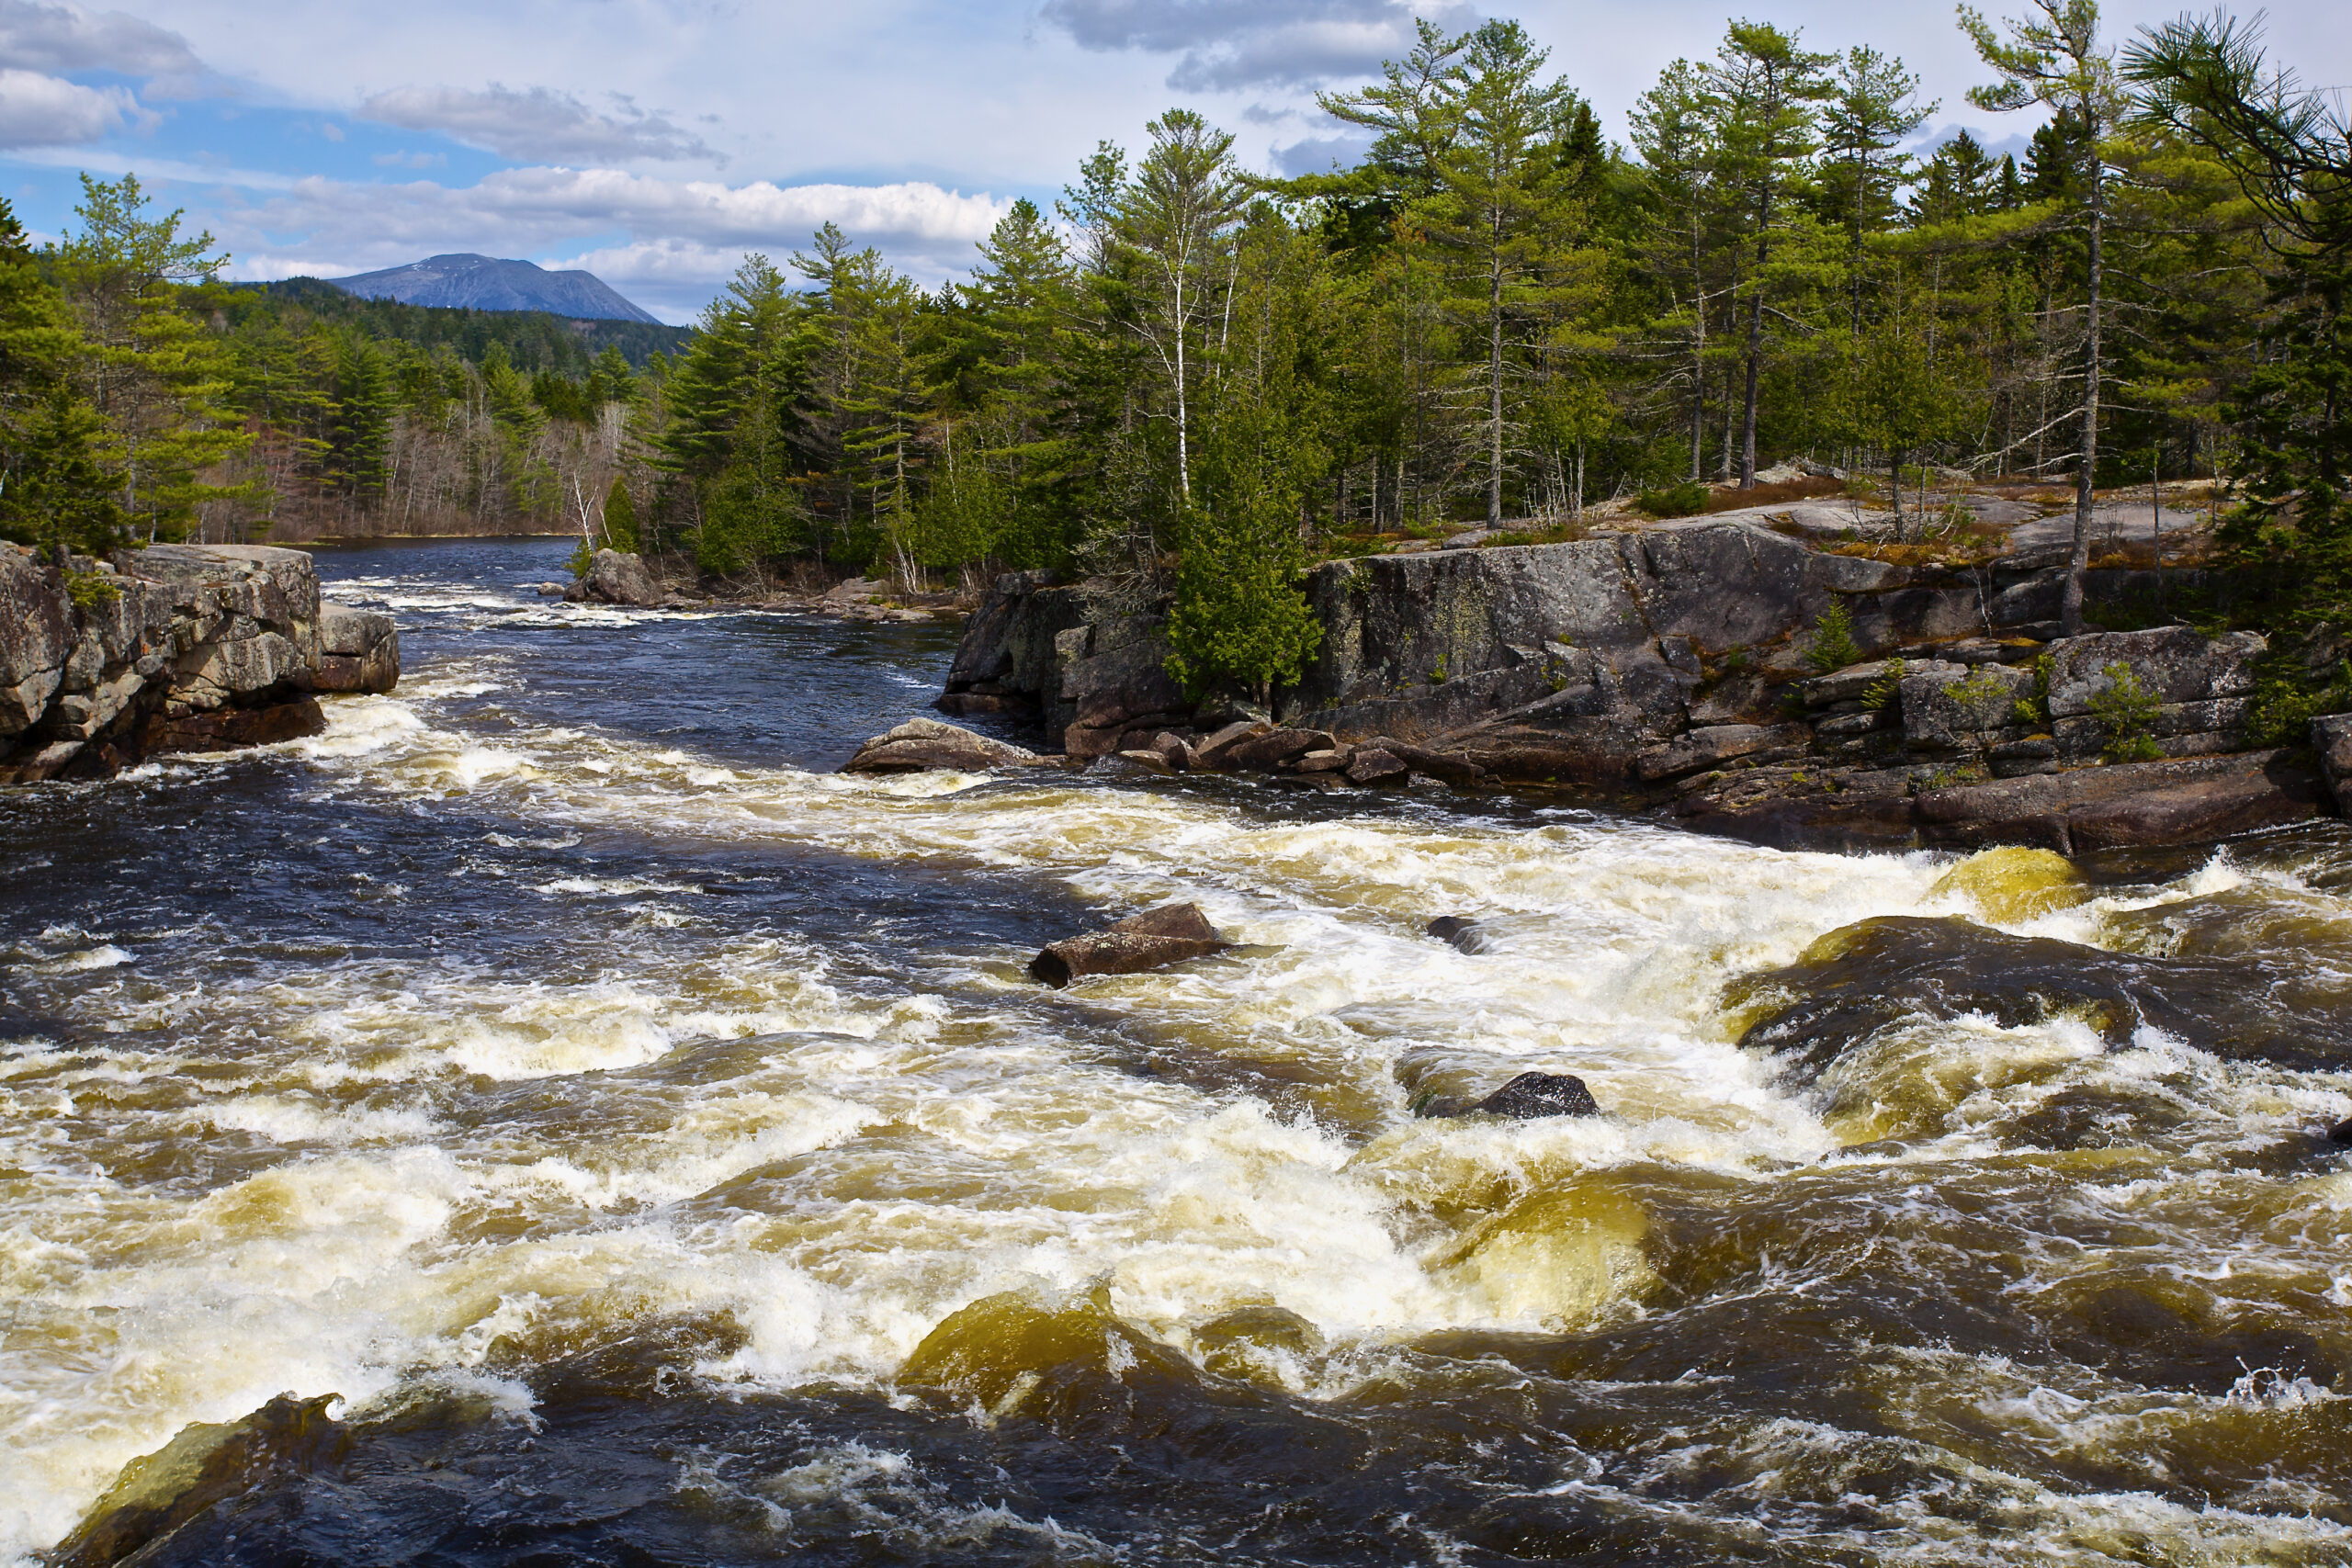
pixel 1755 347
pixel 1494 394
pixel 2071 613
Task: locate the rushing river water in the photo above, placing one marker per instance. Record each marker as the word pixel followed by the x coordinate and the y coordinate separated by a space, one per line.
pixel 619 1111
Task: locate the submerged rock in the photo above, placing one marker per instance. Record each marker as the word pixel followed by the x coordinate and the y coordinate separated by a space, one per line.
pixel 1153 939
pixel 206 1464
pixel 2012 883
pixel 923 743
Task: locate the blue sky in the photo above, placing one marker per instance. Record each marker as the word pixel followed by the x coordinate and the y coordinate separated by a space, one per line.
pixel 655 141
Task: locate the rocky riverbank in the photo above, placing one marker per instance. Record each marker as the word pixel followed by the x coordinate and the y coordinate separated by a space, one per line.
pixel 1764 675
pixel 175 648
pixel 633 581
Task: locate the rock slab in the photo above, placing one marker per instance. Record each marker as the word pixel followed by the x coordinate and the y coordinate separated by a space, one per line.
pixel 1153 939
pixel 925 743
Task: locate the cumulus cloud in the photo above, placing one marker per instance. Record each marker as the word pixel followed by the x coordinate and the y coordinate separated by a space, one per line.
pixel 68 38
pixel 1227 44
pixel 538 123
pixel 37 110
pixel 684 236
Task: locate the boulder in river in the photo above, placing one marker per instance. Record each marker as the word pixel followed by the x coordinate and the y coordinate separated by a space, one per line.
pixel 208 1463
pixel 359 650
pixel 1524 1099
pixel 615 577
pixel 1153 939
pixel 1531 1095
pixel 923 743
pixel 1463 933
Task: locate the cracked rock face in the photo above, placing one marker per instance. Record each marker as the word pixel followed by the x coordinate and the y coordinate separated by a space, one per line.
pixel 173 648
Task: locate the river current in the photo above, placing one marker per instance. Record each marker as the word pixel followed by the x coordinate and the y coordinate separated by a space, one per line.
pixel 652 1139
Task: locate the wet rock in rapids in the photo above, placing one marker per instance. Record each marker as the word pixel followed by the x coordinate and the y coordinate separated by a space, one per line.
pixel 1879 973
pixel 208 1463
pixel 1374 766
pixel 1531 1095
pixel 921 743
pixel 1451 767
pixel 1525 1099
pixel 1245 1342
pixel 1153 939
pixel 2014 883
pixel 1462 931
pixel 2341 1133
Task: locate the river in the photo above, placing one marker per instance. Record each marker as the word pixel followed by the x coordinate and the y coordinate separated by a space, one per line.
pixel 558 1062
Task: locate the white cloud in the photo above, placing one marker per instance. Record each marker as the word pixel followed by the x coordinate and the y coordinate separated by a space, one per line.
pixel 68 38
pixel 538 124
pixel 682 237
pixel 37 110
pixel 1227 44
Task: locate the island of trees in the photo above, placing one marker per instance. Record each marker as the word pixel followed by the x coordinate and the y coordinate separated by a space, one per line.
pixel 1196 379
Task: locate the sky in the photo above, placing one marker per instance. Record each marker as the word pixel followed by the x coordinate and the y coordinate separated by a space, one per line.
pixel 655 142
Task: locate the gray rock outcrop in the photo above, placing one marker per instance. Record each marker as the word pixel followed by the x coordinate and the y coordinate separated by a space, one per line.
pixel 1676 667
pixel 359 650
pixel 925 743
pixel 617 577
pixel 175 648
pixel 1153 939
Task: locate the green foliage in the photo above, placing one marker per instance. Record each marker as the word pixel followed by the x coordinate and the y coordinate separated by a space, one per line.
pixel 2126 712
pixel 1833 639
pixel 1984 699
pixel 88 590
pixel 1686 499
pixel 1885 689
pixel 2035 709
pixel 620 518
pixel 534 340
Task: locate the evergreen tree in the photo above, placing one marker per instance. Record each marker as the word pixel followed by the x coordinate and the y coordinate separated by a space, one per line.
pixel 155 374
pixel 620 518
pixel 2054 59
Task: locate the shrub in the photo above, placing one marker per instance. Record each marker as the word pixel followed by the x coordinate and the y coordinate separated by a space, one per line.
pixel 1687 499
pixel 1833 640
pixel 1881 691
pixel 2126 711
pixel 90 588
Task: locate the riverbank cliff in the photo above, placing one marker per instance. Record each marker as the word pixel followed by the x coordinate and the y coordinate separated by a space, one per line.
pixel 1763 675
pixel 175 648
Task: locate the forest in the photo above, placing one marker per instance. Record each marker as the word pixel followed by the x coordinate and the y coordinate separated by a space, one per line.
pixel 1196 380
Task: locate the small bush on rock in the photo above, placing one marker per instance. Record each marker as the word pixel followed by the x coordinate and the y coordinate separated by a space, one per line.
pixel 1686 499
pixel 2126 711
pixel 1833 640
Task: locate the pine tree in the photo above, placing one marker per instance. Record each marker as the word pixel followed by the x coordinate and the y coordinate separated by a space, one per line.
pixel 620 518
pixel 2054 59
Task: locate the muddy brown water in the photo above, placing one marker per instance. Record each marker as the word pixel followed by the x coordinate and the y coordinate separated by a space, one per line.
pixel 653 1141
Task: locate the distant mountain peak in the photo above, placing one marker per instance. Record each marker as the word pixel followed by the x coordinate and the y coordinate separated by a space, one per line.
pixel 486 283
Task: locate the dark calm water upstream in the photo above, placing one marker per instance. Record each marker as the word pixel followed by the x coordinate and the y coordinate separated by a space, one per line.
pixel 651 1138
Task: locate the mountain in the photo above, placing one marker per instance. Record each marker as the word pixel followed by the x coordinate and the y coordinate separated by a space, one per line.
pixel 485 283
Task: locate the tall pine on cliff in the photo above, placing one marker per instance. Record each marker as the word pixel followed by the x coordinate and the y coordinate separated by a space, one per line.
pixel 55 486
